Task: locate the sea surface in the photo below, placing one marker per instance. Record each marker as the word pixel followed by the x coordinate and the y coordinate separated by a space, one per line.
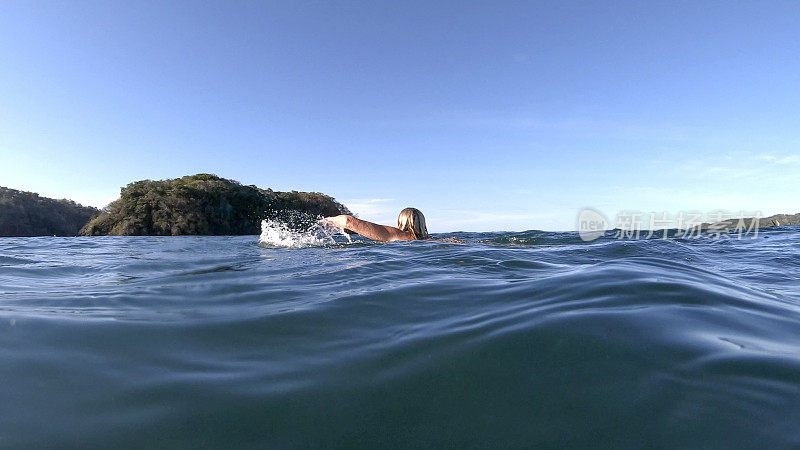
pixel 315 340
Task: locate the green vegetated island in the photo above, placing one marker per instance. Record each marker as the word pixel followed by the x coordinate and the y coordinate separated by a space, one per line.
pixel 201 204
pixel 28 214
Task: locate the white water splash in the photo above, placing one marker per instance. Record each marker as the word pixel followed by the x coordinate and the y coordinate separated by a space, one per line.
pixel 276 234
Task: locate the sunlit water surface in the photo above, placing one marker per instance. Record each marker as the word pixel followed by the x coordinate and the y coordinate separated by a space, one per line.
pixel 510 340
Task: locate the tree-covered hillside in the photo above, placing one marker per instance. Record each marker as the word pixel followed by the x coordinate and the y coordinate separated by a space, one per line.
pixel 205 204
pixel 28 214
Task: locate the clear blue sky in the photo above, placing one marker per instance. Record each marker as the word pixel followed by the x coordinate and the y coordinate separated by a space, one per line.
pixel 485 115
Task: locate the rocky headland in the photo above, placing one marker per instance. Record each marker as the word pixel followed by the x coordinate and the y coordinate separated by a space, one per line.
pixel 201 204
pixel 28 214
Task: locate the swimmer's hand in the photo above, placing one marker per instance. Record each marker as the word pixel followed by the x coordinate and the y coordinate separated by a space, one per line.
pixel 341 221
pixel 338 221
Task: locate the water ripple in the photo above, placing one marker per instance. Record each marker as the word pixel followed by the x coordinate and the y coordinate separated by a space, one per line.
pixel 511 340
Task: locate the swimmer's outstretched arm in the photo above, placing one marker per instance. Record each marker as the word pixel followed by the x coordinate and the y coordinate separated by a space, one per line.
pixel 370 230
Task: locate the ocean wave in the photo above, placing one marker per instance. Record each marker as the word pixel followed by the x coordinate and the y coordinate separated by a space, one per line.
pixel 308 340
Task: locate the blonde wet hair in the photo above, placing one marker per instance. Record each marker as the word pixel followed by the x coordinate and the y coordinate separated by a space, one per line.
pixel 412 221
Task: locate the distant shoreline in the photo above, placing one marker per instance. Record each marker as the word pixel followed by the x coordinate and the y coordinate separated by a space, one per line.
pixel 204 205
pixel 193 205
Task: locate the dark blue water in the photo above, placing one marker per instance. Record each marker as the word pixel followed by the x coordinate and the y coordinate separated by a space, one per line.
pixel 513 340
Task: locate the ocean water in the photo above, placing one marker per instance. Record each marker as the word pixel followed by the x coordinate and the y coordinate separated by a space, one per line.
pixel 316 341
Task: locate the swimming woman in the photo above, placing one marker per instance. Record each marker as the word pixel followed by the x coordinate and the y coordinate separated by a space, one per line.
pixel 410 226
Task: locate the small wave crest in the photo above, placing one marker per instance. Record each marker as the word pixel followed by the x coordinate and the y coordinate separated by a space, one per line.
pixel 278 234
